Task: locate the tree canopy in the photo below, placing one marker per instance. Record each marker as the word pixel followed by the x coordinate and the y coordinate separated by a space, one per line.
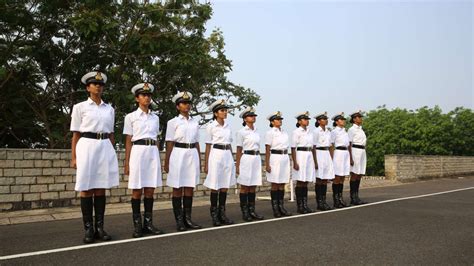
pixel 46 47
pixel 425 131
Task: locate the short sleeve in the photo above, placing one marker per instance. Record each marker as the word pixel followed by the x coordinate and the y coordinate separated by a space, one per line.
pixel 351 134
pixel 333 136
pixel 294 139
pixel 239 139
pixel 127 126
pixel 170 130
pixel 76 118
pixel 316 137
pixel 112 119
pixel 268 138
pixel 209 134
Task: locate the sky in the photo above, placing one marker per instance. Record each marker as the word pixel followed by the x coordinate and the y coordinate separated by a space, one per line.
pixel 339 56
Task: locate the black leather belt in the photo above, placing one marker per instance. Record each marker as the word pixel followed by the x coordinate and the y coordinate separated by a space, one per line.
pixel 304 149
pixel 185 145
pixel 222 146
pixel 279 151
pixel 252 152
pixel 322 148
pixel 358 146
pixel 342 148
pixel 93 135
pixel 147 142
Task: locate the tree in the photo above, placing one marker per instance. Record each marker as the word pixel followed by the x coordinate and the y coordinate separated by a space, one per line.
pixel 46 46
pixel 425 131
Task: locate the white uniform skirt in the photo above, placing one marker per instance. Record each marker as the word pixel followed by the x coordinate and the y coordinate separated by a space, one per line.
pixel 250 171
pixel 360 161
pixel 307 172
pixel 325 167
pixel 341 162
pixel 280 164
pixel 221 170
pixel 97 165
pixel 145 167
pixel 184 168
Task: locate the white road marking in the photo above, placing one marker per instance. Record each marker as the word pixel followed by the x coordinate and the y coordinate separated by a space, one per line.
pixel 43 252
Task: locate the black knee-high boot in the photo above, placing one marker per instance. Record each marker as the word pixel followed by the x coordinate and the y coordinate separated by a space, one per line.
pixel 99 207
pixel 214 211
pixel 357 193
pixel 335 196
pixel 222 216
pixel 324 192
pixel 87 210
pixel 317 189
pixel 137 218
pixel 148 227
pixel 299 200
pixel 251 202
pixel 276 210
pixel 178 214
pixel 354 199
pixel 281 203
pixel 342 203
pixel 244 207
pixel 188 206
pixel 305 200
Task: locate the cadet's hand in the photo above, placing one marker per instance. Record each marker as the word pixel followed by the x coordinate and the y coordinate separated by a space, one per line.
pixel 296 166
pixel 205 169
pixel 237 169
pixel 73 163
pixel 126 169
pixel 268 169
pixel 316 166
pixel 352 162
pixel 167 168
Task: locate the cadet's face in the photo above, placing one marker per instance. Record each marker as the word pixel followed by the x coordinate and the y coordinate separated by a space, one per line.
pixel 184 107
pixel 304 122
pixel 277 122
pixel 222 113
pixel 95 88
pixel 250 119
pixel 143 99
pixel 358 120
pixel 323 122
pixel 341 123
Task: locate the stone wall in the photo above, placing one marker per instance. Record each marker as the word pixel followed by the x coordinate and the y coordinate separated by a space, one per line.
pixel 32 179
pixel 411 167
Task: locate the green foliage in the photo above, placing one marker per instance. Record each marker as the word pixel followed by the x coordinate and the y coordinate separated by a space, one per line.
pixel 46 46
pixel 426 131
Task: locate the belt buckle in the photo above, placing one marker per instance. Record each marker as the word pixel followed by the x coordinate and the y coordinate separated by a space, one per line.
pixel 188 145
pixel 99 135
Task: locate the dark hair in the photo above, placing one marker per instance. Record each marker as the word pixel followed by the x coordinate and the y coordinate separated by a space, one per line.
pixel 214 117
pixel 352 120
pixel 334 123
pixel 298 124
pixel 316 124
pixel 271 125
pixel 243 123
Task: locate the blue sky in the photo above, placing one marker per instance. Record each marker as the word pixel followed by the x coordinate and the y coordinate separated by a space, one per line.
pixel 346 55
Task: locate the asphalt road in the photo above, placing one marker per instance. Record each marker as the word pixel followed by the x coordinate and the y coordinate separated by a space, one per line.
pixel 430 229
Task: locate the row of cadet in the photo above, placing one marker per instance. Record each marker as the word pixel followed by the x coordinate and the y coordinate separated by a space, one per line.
pixel 319 156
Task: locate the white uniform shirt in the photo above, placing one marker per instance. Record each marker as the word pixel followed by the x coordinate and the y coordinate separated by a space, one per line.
pixel 217 134
pixel 322 138
pixel 141 125
pixel 339 137
pixel 277 139
pixel 357 135
pixel 87 116
pixel 180 129
pixel 302 138
pixel 248 139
